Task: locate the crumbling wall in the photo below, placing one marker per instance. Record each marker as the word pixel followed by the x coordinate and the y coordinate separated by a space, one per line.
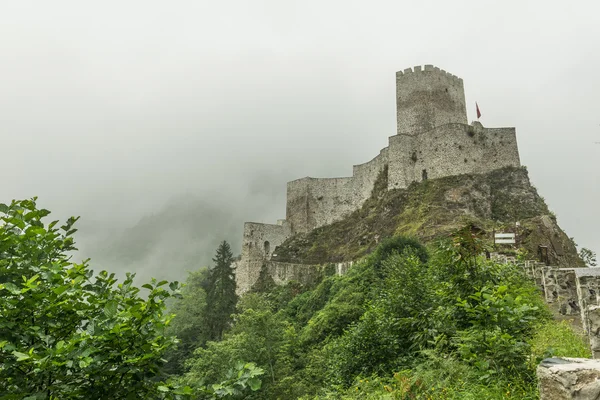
pixel 260 240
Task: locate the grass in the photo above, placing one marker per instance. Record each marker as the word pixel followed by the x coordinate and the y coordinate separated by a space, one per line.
pixel 558 339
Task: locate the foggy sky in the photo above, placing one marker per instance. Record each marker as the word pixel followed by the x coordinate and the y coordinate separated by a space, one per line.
pixel 109 109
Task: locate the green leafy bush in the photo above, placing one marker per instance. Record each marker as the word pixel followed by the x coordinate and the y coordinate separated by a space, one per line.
pixel 455 326
pixel 66 333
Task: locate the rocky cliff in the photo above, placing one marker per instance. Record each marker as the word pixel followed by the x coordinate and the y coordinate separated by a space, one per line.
pixel 502 200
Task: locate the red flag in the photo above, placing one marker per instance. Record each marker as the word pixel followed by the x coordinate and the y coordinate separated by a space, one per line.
pixel 478 112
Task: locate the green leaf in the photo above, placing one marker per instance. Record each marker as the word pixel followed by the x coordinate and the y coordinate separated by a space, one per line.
pixel 60 289
pixel 21 356
pixel 110 310
pixel 70 232
pixel 162 389
pixel 255 384
pixel 147 286
pixel 11 287
pixel 32 279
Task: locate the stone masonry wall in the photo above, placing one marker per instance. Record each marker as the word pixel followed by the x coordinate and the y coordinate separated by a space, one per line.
pixel 588 291
pixel 447 150
pixel 248 271
pixel 365 175
pixel 260 240
pixel 314 202
pixel 428 97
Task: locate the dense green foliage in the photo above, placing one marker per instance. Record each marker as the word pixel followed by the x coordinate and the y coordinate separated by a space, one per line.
pixel 406 322
pixel 402 323
pixel 66 333
pixel 189 321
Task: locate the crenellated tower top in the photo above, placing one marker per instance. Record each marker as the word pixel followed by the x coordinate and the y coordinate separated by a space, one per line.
pixel 427 97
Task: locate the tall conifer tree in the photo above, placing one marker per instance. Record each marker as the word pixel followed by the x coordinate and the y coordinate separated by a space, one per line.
pixel 221 298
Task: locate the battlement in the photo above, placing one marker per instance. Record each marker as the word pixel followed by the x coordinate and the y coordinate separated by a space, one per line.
pixel 428 68
pixel 428 97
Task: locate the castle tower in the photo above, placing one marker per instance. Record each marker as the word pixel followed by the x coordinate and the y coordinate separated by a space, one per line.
pixel 428 97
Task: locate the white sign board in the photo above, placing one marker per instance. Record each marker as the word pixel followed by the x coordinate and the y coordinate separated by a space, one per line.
pixel 507 241
pixel 504 238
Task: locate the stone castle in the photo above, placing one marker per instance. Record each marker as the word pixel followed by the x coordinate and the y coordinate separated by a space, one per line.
pixel 433 140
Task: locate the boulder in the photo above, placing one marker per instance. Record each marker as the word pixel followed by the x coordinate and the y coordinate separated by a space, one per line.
pixel 569 378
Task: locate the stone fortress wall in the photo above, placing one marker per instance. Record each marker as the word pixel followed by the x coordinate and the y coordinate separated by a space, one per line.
pixel 258 244
pixel 450 149
pixel 315 202
pixel 433 140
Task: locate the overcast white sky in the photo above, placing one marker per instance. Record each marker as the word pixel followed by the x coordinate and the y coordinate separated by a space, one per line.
pixel 108 109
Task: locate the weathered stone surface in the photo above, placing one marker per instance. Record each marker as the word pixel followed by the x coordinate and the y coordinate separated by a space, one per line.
pixel 593 325
pixel 248 271
pixel 569 378
pixel 588 289
pixel 567 291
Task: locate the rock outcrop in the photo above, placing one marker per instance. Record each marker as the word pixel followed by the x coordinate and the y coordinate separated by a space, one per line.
pixel 569 378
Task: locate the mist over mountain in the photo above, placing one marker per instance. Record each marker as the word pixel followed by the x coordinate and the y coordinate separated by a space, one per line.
pixel 177 238
pixel 111 111
pixel 182 235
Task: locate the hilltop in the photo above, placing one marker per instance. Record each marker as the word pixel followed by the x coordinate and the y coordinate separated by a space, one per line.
pixel 437 173
pixel 432 209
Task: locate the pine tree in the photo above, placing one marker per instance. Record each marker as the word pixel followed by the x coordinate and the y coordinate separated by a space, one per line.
pixel 221 298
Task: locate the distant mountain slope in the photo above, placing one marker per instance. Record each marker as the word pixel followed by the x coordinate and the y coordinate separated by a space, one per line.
pixel 432 209
pixel 180 237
